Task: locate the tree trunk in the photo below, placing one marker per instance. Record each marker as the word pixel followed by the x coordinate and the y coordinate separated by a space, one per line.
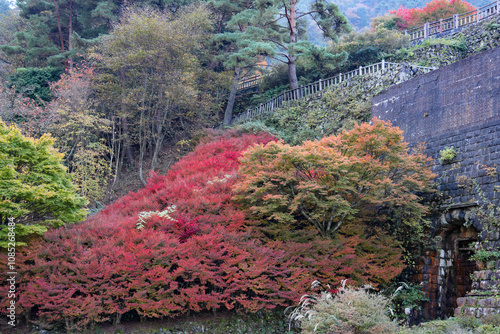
pixel 292 73
pixel 142 148
pixel 142 134
pixel 59 25
pixel 124 120
pixel 292 68
pixel 70 33
pixel 126 140
pixel 232 97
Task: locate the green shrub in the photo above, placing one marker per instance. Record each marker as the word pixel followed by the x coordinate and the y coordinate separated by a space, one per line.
pixel 36 189
pixel 447 155
pixel 492 25
pixel 404 296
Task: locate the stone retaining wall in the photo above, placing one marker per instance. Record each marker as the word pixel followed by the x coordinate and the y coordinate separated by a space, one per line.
pixel 456 106
pixel 475 38
pixel 484 299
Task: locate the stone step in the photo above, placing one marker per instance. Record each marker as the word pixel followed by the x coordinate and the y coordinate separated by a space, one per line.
pixel 477 312
pixel 479 301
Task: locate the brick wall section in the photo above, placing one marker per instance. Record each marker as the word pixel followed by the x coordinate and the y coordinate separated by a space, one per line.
pixel 457 105
pixel 477 146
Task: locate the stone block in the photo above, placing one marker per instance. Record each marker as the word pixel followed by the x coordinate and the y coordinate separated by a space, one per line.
pixel 489 302
pixel 471 301
pixel 484 285
pixel 479 313
pixel 469 311
pixel 486 274
pixel 461 301
pixel 487 311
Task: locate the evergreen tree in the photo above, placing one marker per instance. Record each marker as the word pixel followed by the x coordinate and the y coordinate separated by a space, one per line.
pixel 4 7
pixel 59 29
pixel 151 69
pixel 280 24
pixel 234 49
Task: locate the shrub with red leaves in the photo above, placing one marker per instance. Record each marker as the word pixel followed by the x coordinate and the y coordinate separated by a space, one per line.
pixel 181 244
pixel 433 11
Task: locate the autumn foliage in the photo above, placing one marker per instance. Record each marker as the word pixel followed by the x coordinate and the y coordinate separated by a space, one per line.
pixel 336 180
pixel 437 9
pixel 182 244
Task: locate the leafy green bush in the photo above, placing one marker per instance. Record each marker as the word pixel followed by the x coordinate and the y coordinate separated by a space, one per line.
pixel 34 83
pixel 369 47
pixel 36 190
pixel 405 296
pixel 314 118
pixel 447 155
pixel 256 127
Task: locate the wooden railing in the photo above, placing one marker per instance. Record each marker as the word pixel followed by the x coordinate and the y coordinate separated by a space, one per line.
pixel 454 22
pixel 303 91
pixel 250 82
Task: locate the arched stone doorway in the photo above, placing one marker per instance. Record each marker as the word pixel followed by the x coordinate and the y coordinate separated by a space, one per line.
pixel 445 268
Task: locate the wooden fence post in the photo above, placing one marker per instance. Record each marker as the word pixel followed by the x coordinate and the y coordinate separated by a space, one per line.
pixel 440 25
pixel 498 6
pixel 383 64
pixel 426 29
pixel 455 21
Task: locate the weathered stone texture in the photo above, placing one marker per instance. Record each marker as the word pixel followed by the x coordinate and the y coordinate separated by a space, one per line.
pixel 475 38
pixel 459 95
pixel 456 106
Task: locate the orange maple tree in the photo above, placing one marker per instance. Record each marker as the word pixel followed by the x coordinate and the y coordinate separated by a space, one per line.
pixel 338 179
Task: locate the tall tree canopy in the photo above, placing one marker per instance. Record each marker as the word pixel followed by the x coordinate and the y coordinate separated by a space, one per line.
pixel 152 78
pixel 57 30
pixel 407 18
pixel 233 47
pixel 4 7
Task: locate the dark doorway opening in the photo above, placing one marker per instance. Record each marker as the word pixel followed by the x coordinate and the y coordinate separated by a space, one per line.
pixel 464 249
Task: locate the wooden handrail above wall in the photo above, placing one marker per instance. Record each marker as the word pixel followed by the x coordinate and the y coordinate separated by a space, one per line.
pixel 454 22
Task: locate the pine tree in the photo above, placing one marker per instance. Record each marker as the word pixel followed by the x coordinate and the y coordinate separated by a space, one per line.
pixel 280 25
pixel 4 7
pixel 234 49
